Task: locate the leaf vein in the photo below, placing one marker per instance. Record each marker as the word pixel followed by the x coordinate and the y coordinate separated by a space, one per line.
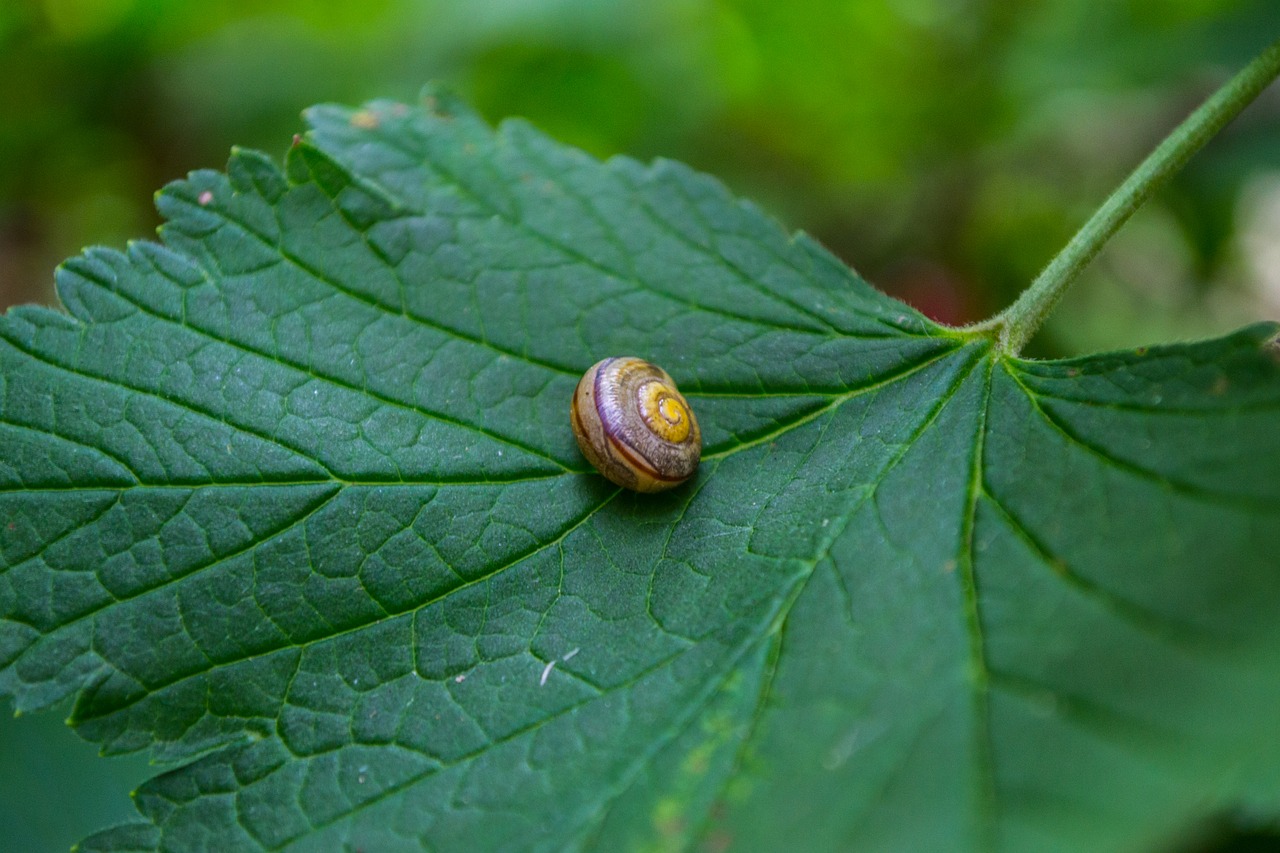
pixel 1172 485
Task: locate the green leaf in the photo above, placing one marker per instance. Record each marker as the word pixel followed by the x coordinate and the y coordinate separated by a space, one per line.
pixel 292 501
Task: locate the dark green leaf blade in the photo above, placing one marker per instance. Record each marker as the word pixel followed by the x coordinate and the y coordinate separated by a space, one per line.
pixel 295 505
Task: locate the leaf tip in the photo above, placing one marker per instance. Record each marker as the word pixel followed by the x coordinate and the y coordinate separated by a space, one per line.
pixel 1271 345
pixel 439 100
pixel 250 170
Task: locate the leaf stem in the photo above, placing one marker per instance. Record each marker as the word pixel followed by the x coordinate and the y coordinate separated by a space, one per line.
pixel 1014 326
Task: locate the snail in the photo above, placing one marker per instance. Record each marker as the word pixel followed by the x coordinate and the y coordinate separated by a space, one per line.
pixel 634 426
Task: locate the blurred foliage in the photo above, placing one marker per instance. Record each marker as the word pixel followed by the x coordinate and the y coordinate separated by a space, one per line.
pixel 54 789
pixel 946 148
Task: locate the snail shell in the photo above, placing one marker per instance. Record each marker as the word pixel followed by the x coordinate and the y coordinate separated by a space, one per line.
pixel 634 426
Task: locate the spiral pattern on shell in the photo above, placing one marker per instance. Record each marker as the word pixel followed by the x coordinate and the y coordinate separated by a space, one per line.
pixel 634 426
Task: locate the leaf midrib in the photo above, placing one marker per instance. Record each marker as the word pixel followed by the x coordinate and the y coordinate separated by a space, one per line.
pixel 788 600
pixel 985 801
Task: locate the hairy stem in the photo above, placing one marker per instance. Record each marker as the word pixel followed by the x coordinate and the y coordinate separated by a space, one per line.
pixel 1014 326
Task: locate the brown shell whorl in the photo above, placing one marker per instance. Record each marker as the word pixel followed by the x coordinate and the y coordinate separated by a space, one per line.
pixel 634 425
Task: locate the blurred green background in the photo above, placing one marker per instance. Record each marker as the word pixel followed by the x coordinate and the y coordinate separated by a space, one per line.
pixel 944 148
